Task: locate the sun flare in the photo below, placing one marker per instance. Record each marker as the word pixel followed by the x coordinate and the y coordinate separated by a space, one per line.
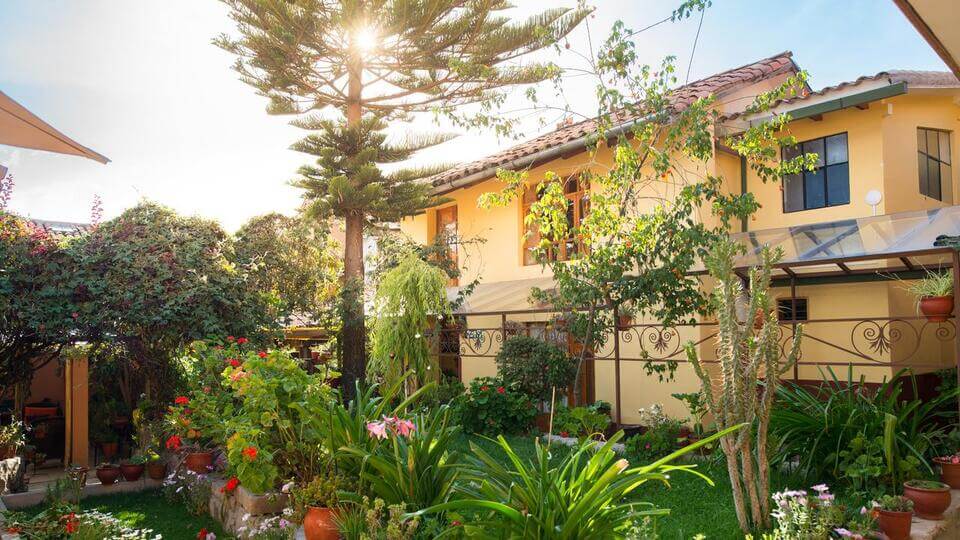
pixel 365 39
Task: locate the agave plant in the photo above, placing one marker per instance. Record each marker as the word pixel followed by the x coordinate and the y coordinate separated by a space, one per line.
pixel 816 426
pixel 583 496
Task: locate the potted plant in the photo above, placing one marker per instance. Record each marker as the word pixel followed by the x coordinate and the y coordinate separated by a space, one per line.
pixel 934 295
pixel 132 469
pixel 539 369
pixel 894 514
pixel 949 469
pixel 156 467
pixel 930 498
pixel 191 427
pixel 12 437
pixel 316 502
pixel 626 314
pixel 108 473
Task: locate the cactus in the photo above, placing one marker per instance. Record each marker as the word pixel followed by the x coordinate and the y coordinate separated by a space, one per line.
pixel 734 393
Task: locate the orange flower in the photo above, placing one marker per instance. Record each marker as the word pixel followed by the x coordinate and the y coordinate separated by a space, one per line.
pixel 231 485
pixel 250 453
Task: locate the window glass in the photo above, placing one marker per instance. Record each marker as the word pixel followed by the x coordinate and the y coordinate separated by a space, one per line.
pixel 944 147
pixel 815 147
pixel 921 140
pixel 837 149
pixel 838 184
pixel 924 188
pixel 946 184
pixel 790 152
pixel 933 144
pixel 933 178
pixel 814 189
pixel 793 192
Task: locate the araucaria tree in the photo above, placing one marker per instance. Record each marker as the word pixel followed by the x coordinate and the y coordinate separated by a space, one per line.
pixel 356 65
pixel 741 388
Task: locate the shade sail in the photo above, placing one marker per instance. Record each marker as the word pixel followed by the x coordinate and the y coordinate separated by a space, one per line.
pixel 855 242
pixel 20 127
pixel 513 295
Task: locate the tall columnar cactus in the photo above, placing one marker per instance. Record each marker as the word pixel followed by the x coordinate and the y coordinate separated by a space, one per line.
pixel 743 387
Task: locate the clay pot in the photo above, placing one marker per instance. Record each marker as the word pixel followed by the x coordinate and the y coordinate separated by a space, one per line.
pixel 109 450
pixel 199 462
pixel 928 503
pixel 131 472
pixel 949 472
pixel 624 321
pixel 157 470
pixel 8 451
pixel 108 475
pixel 936 308
pixel 896 525
pixel 318 524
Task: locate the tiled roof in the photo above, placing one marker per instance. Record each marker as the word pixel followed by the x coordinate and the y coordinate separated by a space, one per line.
pixel 913 78
pixel 681 98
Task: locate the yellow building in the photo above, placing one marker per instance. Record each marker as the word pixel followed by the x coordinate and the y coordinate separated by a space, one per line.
pixel 883 192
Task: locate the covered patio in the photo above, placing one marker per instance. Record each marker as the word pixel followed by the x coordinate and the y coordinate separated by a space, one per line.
pixel 868 323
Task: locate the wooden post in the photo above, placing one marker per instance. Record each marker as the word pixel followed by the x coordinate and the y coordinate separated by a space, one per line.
pixel 793 323
pixel 956 315
pixel 77 412
pixel 616 359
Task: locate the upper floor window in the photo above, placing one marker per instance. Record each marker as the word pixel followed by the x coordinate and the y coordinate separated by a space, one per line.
pixel 933 153
pixel 577 192
pixel 791 309
pixel 828 184
pixel 447 230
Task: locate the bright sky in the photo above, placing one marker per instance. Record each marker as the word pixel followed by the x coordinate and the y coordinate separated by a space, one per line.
pixel 140 83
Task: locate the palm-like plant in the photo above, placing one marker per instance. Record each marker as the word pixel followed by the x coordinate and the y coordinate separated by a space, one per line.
pixel 417 470
pixel 816 426
pixel 582 497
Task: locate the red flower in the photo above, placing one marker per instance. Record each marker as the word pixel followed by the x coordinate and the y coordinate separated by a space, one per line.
pixel 182 400
pixel 242 340
pixel 72 523
pixel 500 390
pixel 456 523
pixel 74 314
pixel 564 434
pixel 174 442
pixel 250 453
pixel 206 389
pixel 230 339
pixel 234 362
pixel 218 347
pixel 231 485
pixel 187 412
pixel 202 535
pixel 484 388
pixel 262 354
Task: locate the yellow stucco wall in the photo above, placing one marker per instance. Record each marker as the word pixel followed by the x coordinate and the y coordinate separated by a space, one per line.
pixel 882 155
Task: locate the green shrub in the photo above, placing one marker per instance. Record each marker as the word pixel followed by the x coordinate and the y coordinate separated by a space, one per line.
pixel 817 426
pixel 535 367
pixel 580 422
pixel 491 407
pixel 658 441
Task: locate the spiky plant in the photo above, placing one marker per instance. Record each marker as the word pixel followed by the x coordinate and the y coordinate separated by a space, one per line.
pixel 742 388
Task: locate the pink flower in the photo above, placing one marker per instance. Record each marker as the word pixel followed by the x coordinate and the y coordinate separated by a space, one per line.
pixel 230 339
pixel 377 429
pixel 237 375
pixel 501 390
pixel 405 427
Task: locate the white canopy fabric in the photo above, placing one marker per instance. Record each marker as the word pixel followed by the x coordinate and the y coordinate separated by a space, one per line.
pixel 20 127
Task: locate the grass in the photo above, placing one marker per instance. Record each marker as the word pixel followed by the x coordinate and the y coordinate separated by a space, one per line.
pixel 150 510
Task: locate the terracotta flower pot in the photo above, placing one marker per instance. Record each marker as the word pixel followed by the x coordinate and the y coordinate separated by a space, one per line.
pixel 318 524
pixel 949 472
pixel 896 525
pixel 624 321
pixel 928 503
pixel 199 462
pixel 131 472
pixel 157 470
pixel 936 308
pixel 108 475
pixel 109 450
pixel 8 451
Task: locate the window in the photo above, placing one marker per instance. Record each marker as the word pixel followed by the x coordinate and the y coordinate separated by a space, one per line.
pixel 577 192
pixel 447 230
pixel 828 184
pixel 933 154
pixel 786 307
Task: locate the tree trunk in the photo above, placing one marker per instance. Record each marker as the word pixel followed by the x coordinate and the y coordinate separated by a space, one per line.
pixel 733 470
pixel 353 334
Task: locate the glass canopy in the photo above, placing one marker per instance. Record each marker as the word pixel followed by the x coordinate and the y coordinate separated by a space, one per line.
pixel 857 244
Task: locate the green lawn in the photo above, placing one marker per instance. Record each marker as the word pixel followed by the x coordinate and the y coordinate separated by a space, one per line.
pixel 150 510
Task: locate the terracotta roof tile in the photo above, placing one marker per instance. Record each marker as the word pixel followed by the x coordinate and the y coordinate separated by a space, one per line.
pixel 681 97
